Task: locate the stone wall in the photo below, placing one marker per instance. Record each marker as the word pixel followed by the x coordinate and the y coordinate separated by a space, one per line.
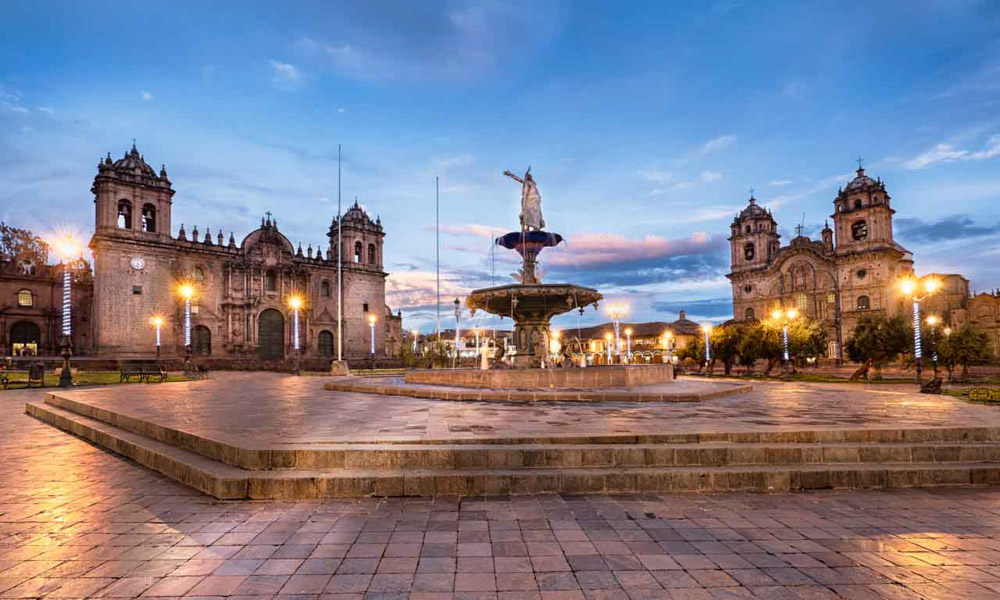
pixel 590 377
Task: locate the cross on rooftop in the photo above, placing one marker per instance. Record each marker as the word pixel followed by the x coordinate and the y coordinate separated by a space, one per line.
pixel 859 163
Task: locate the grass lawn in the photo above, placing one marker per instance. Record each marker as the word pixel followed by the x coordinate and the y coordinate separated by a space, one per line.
pixel 18 380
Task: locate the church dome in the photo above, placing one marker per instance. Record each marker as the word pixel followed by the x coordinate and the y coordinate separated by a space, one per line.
pixel 861 182
pixel 133 162
pixel 753 210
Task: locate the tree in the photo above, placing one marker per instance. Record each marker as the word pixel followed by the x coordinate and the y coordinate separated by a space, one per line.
pixel 694 350
pixel 726 344
pixel 22 242
pixel 966 347
pixel 878 339
pixel 806 339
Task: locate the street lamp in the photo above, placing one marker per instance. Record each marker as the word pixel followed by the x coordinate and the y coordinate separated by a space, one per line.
pixel 784 317
pixel 617 312
pixel 67 247
pixel 186 291
pixel 415 333
pixel 458 318
pixel 607 344
pixel 707 329
pixel 295 303
pixel 628 347
pixel 932 321
pixel 157 322
pixel 668 342
pixel 911 287
pixel 371 325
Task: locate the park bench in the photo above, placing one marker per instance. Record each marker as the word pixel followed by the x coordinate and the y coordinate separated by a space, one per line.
pixel 35 376
pixel 143 370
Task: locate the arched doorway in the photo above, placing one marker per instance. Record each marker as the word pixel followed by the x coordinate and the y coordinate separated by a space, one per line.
pixel 325 344
pixel 25 337
pixel 201 340
pixel 271 334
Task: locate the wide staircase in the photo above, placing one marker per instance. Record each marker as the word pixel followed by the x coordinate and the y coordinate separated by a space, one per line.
pixel 760 462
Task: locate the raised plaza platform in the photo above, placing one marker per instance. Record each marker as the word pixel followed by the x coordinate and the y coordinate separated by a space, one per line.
pixel 611 376
pixel 270 436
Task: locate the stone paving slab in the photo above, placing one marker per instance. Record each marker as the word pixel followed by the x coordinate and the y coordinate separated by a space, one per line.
pixel 273 409
pixel 77 522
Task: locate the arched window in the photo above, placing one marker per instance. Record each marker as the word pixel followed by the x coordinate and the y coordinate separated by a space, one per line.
pixel 859 230
pixel 750 315
pixel 857 204
pixel 324 289
pixel 749 251
pixel 748 229
pixel 25 299
pixel 201 340
pixel 270 282
pixel 124 214
pixel 25 338
pixel 864 303
pixel 801 302
pixel 149 218
pixel 371 254
pixel 199 275
pixel 358 249
pixel 325 343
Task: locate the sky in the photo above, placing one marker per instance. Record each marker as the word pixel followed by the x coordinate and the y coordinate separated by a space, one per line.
pixel 644 124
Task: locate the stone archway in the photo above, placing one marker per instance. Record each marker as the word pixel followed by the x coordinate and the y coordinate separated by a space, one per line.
pixel 25 338
pixel 271 334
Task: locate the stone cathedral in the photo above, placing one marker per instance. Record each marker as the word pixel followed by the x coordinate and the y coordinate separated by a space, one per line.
pixel 854 268
pixel 240 306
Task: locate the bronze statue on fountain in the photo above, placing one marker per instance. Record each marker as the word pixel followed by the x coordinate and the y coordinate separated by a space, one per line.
pixel 530 303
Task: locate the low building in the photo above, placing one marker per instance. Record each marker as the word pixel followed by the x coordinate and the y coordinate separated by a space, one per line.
pixel 650 341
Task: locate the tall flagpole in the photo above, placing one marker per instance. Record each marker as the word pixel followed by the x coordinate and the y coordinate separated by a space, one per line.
pixel 340 276
pixel 437 246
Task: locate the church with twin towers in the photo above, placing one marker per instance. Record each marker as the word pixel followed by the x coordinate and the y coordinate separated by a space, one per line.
pixel 854 269
pixel 240 308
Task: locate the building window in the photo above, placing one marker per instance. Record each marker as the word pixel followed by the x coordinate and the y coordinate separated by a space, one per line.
pixel 25 299
pixel 857 204
pixel 371 254
pixel 861 274
pixel 859 230
pixel 747 288
pixel 864 303
pixel 124 214
pixel 748 229
pixel 750 315
pixel 358 248
pixel 801 302
pixel 324 289
pixel 749 251
pixel 149 218
pixel 365 308
pixel 270 282
pixel 199 275
pixel 136 290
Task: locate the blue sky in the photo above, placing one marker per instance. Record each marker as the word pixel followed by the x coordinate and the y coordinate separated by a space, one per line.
pixel 644 123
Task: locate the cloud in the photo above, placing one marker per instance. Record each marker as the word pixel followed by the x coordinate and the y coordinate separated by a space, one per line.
pixel 449 163
pixel 950 228
pixel 710 176
pixel 47 110
pixel 284 75
pixel 720 143
pixel 945 153
pixel 713 309
pixel 471 229
pixel 146 96
pixel 779 182
pixel 611 249
pixel 10 102
pixel 657 175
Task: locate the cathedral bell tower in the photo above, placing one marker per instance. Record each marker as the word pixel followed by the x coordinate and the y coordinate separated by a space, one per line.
pixel 754 239
pixel 130 198
pixel 862 215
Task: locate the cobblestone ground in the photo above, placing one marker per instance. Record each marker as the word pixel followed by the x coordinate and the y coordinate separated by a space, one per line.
pixel 76 522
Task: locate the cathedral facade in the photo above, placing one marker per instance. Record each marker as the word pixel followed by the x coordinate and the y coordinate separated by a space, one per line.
pixel 240 307
pixel 852 270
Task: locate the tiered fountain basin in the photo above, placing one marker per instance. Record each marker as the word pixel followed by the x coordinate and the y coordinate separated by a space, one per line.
pixel 612 376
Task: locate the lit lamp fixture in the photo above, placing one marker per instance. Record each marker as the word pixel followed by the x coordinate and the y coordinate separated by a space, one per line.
pixel 554 344
pixel 707 330
pixel 186 291
pixel 67 248
pixel 415 334
pixel 932 322
pixel 371 325
pixel 617 311
pixel 628 342
pixel 607 344
pixel 668 343
pixel 458 317
pixel 157 322
pixel 295 303
pixel 918 291
pixel 784 317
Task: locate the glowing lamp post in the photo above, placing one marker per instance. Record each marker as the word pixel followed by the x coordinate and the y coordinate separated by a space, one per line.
pixel 912 289
pixel 607 344
pixel 67 247
pixel 415 334
pixel 932 322
pixel 186 291
pixel 784 317
pixel 458 340
pixel 157 322
pixel 371 325
pixel 707 330
pixel 295 303
pixel 628 344
pixel 617 311
pixel 668 342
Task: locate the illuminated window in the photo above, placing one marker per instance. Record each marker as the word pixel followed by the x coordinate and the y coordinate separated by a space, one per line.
pixel 199 274
pixel 358 249
pixel 149 218
pixel 750 316
pixel 801 302
pixel 124 214
pixel 25 299
pixel 864 303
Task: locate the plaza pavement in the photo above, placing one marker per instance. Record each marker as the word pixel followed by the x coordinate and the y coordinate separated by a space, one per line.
pixel 76 522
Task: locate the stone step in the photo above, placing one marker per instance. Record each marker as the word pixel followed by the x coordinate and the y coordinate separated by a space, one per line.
pixel 227 482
